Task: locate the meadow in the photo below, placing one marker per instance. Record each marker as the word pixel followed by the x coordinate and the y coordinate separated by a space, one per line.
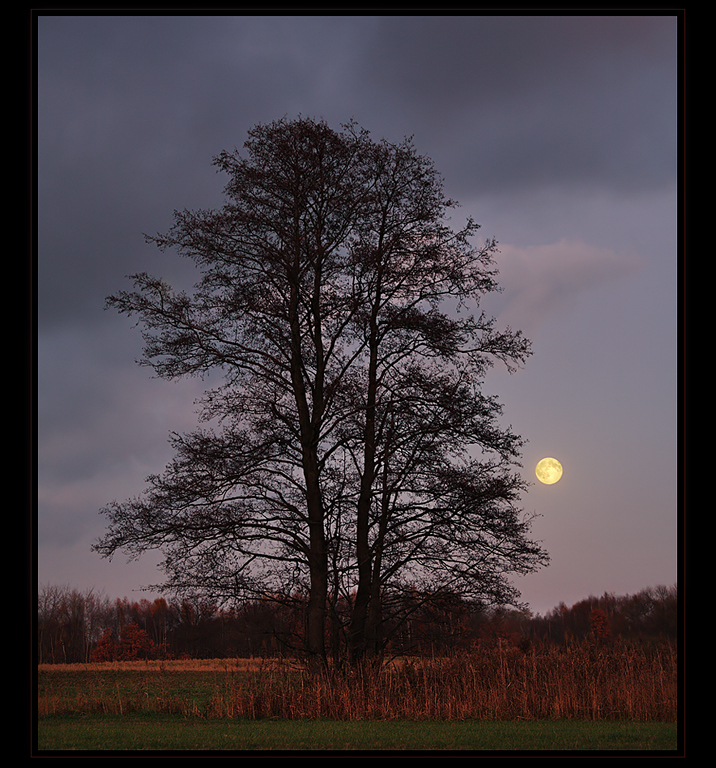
pixel 624 697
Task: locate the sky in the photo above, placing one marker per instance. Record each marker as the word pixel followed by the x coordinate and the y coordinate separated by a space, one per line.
pixel 558 134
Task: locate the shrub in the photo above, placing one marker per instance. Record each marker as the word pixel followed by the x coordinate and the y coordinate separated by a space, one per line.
pixel 134 643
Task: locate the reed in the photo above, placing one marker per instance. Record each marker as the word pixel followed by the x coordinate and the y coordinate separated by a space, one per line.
pixel 546 682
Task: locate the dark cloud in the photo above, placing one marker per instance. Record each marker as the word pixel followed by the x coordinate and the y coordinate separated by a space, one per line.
pixel 132 109
pixel 537 100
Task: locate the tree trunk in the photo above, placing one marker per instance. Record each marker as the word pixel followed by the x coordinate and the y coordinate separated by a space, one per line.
pixel 318 567
pixel 317 553
pixel 359 617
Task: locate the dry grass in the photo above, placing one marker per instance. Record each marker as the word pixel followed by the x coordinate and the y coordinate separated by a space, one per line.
pixel 168 665
pixel 585 683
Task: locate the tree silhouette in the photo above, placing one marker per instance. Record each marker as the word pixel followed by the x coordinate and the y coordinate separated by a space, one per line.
pixel 339 457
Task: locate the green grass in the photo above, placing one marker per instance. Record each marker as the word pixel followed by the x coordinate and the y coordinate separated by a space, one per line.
pixel 180 733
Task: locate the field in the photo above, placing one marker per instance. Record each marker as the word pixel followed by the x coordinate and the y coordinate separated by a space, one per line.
pixel 582 698
pixel 177 733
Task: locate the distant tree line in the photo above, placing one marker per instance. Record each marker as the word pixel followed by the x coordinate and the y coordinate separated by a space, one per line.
pixel 75 626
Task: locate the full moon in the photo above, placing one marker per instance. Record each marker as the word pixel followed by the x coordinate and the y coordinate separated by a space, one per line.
pixel 548 471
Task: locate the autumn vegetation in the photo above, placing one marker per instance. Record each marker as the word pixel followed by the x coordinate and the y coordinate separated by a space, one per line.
pixel 80 627
pixel 606 658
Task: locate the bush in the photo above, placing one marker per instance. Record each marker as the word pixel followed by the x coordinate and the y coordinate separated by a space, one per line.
pixel 134 644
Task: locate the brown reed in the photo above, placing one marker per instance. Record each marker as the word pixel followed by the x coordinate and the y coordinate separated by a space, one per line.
pixel 501 684
pixel 587 682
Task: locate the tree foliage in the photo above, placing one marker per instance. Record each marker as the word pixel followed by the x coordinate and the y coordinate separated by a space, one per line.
pixel 350 455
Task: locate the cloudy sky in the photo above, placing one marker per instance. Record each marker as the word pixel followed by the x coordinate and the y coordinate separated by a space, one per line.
pixel 558 134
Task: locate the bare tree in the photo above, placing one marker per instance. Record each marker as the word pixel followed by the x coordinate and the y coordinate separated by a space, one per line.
pixel 337 457
pixel 69 623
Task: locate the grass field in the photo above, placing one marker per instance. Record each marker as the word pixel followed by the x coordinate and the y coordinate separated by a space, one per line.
pixel 179 733
pixel 582 698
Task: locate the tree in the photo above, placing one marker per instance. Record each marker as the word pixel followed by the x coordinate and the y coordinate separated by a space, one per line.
pixel 338 455
pixel 134 643
pixel 600 625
